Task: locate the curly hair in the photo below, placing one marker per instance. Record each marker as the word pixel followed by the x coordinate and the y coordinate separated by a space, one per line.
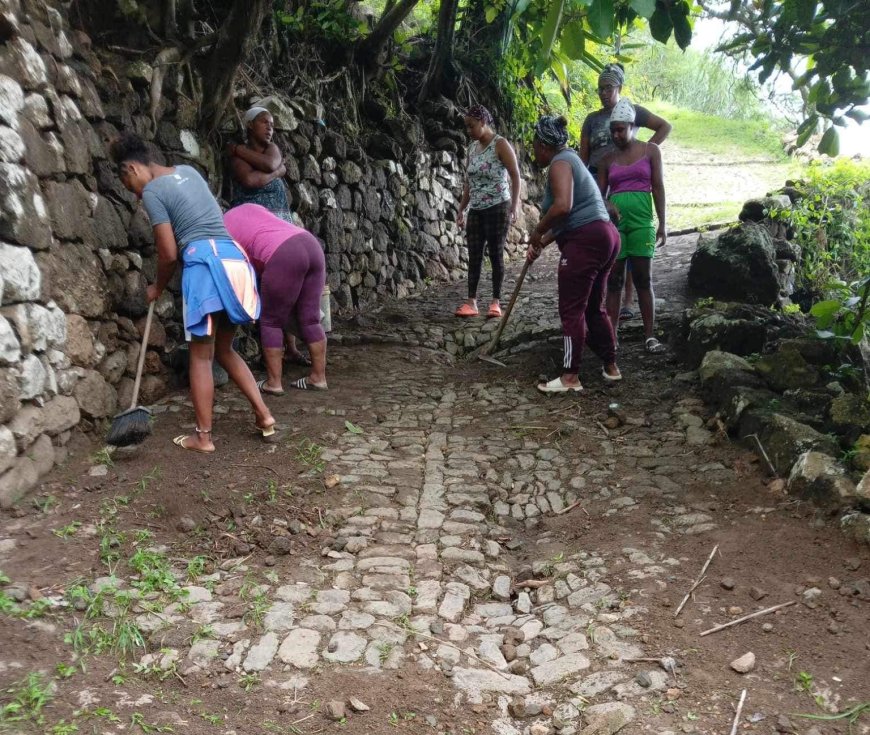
pixel 129 147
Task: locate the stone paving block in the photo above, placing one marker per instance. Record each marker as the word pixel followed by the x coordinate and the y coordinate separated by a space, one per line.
pixel 299 648
pixel 556 670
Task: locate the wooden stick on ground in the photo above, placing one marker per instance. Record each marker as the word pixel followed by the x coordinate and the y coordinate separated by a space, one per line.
pixel 570 508
pixel 411 631
pixel 736 723
pixel 748 617
pixel 764 454
pixel 698 580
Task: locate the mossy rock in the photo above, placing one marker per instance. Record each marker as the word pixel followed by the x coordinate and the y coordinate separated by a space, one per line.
pixel 784 438
pixel 850 415
pixel 738 265
pixel 861 456
pixel 786 369
pixel 721 371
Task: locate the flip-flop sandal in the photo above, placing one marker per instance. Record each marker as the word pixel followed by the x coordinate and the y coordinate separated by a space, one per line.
pixel 305 384
pixel 297 359
pixel 494 312
pixel 611 378
pixel 653 346
pixel 465 311
pixel 557 386
pixel 261 384
pixel 179 442
pixel 626 313
pixel 267 431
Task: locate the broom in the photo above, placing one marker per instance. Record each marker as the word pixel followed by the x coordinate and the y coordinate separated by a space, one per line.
pixel 134 425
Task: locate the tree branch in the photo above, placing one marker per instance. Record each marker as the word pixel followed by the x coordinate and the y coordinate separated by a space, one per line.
pixel 235 40
pixel 370 47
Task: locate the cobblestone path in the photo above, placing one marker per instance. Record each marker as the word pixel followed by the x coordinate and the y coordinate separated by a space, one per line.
pixel 476 558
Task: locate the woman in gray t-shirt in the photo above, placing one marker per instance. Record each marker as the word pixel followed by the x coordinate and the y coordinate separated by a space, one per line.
pixel 217 281
pixel 575 216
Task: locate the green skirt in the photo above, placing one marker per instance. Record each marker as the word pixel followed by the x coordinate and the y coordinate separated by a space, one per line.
pixel 636 231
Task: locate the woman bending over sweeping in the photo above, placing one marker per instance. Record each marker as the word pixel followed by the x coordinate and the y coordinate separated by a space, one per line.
pixel 576 217
pixel 292 271
pixel 492 196
pixel 217 282
pixel 633 173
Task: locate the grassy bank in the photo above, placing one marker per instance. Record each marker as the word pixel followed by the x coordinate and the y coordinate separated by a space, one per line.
pixel 712 165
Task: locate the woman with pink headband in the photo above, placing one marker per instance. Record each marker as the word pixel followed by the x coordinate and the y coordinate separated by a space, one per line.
pixel 492 197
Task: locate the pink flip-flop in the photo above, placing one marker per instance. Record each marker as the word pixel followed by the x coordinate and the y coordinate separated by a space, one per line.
pixel 465 311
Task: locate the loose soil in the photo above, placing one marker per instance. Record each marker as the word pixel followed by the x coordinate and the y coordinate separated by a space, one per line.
pixel 244 502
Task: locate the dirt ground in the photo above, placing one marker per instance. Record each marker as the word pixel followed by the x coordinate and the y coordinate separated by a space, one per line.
pixel 407 434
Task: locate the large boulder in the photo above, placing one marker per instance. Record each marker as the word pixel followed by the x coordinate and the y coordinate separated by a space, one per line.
pixel 738 265
pixel 721 371
pixel 850 415
pixel 787 369
pixel 783 437
pixel 821 478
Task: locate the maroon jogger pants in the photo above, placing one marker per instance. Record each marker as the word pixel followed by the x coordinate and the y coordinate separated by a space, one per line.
pixel 587 255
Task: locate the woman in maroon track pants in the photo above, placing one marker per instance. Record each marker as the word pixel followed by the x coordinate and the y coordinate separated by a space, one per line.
pixel 576 217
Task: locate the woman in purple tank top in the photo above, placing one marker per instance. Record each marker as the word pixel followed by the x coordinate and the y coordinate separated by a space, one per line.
pixel 632 178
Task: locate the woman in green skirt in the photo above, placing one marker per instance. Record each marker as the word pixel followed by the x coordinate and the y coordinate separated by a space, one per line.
pixel 632 178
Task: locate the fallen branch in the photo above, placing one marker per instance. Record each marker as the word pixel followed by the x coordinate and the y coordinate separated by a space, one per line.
pixel 748 617
pixel 698 580
pixel 570 508
pixel 736 722
pixel 603 428
pixel 411 631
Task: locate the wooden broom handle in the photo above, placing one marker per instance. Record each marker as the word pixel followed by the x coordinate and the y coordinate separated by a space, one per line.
pixel 142 354
pixel 510 307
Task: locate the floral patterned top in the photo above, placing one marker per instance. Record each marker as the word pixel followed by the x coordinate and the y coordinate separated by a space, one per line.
pixel 488 180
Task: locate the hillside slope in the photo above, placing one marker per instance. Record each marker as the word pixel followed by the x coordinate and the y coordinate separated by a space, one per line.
pixel 713 165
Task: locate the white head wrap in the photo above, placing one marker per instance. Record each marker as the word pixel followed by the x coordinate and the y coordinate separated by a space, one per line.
pixel 622 112
pixel 252 114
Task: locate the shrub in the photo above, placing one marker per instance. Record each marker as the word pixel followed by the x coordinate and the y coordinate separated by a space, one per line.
pixel 831 222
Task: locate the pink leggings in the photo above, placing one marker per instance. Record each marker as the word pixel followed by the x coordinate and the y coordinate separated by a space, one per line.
pixel 291 286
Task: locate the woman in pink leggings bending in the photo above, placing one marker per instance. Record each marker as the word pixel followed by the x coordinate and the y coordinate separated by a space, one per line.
pixel 292 271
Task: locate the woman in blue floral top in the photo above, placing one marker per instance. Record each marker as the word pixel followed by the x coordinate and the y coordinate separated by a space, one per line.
pixel 492 197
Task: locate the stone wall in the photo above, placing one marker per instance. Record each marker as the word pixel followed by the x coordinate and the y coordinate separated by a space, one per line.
pixel 76 250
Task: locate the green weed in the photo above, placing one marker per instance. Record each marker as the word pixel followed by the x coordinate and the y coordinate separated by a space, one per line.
pixel 103 457
pixel 27 699
pixel 67 530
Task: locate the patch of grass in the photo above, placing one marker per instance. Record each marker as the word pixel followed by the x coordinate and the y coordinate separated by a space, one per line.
pixel 45 503
pixel 26 699
pixel 155 574
pixel 721 136
pixel 68 530
pixel 137 719
pixel 803 682
pixel 104 457
pixel 851 715
pixel 249 681
pixel 196 568
pixel 309 453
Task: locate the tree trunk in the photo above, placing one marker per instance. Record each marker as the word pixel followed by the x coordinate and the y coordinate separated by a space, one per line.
pixel 236 38
pixel 441 69
pixel 368 50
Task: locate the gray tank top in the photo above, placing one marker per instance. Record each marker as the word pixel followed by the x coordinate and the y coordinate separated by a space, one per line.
pixel 588 205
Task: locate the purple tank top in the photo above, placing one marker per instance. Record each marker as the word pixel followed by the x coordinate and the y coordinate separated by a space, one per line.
pixel 635 176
